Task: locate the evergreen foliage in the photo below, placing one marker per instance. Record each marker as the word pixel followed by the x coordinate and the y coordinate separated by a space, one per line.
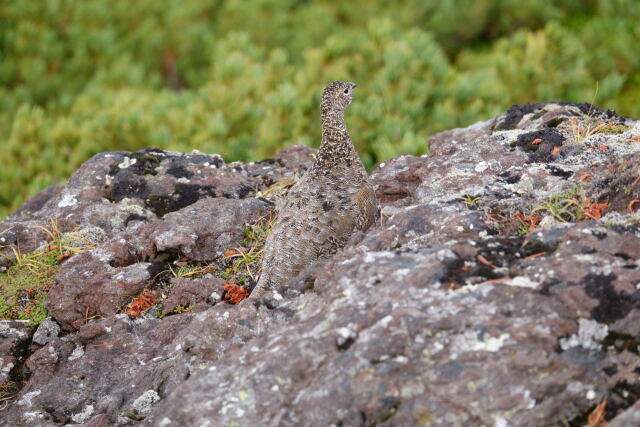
pixel 243 79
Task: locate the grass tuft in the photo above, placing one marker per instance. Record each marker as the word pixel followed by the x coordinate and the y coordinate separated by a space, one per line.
pixel 8 391
pixel 584 129
pixel 24 285
pixel 570 206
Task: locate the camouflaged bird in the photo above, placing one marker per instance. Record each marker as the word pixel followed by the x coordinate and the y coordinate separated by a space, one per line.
pixel 333 199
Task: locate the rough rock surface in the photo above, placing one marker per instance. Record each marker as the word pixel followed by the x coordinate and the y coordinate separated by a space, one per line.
pixel 501 288
pixel 14 340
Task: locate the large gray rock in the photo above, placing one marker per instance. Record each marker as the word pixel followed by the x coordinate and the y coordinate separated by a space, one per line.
pixel 450 312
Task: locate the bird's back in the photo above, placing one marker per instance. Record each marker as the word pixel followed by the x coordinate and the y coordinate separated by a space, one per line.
pixel 316 219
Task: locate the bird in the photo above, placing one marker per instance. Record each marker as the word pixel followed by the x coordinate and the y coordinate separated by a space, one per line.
pixel 331 201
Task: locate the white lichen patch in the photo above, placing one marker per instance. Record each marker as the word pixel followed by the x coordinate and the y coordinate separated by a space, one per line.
pixel 508 136
pixel 146 400
pixel 83 416
pixel 33 415
pixel 617 218
pixel 473 341
pixel 7 330
pixel 384 322
pixel 589 334
pixel 345 335
pixel 491 344
pixel 26 399
pixel 529 402
pixel 481 167
pixel 372 257
pixel 77 353
pixel 127 162
pixel 446 255
pixel 6 368
pixel 548 221
pixel 522 282
pixel 67 200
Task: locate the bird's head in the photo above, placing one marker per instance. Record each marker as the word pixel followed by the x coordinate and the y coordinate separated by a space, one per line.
pixel 337 96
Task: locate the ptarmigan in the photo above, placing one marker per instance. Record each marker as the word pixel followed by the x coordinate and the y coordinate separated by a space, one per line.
pixel 322 210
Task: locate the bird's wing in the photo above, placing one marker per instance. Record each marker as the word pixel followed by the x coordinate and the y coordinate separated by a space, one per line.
pixel 365 200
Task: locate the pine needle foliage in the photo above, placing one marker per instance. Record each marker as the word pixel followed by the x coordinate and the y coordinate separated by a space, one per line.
pixel 243 78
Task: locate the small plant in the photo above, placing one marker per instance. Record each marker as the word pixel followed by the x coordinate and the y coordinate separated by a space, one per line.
pixel 255 234
pixel 563 209
pixel 248 260
pixel 571 206
pixel 191 270
pixel 527 223
pixel 183 309
pixel 584 129
pixel 470 200
pixel 278 189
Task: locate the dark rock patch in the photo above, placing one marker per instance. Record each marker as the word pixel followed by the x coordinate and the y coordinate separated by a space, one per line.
pixel 514 114
pixel 612 305
pixel 556 171
pixel 539 144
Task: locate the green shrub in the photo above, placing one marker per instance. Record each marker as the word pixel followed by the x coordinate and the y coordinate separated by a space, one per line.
pixel 244 78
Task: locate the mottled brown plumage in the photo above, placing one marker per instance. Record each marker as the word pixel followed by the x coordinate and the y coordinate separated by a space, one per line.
pixel 333 199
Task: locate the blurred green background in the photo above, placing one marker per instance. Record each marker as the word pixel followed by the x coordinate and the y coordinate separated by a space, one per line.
pixel 243 78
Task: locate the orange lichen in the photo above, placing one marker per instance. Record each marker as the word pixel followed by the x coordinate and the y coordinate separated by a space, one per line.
pixel 592 210
pixel 235 293
pixel 230 253
pixel 141 303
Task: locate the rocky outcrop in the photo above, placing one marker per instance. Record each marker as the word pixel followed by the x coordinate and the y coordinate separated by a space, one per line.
pixel 500 288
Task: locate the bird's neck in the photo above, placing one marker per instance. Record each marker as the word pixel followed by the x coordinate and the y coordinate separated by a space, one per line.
pixel 334 129
pixel 336 145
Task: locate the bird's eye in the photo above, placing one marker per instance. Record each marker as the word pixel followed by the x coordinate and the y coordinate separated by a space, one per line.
pixel 346 91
